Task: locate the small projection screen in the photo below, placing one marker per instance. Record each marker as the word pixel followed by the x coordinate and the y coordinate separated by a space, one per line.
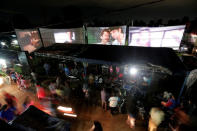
pixel 29 40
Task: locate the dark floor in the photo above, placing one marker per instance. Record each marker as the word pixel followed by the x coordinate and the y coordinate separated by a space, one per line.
pixel 86 114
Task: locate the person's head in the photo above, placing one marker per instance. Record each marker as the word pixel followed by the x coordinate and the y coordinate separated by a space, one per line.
pixel 53 82
pixel 115 32
pixel 96 126
pixel 38 85
pixel 4 107
pixel 33 70
pixel 113 94
pixel 144 38
pixel 105 36
pixel 171 96
pixel 35 40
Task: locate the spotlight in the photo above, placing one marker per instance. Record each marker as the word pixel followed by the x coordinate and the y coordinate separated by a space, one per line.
pixel 64 108
pixel 3 43
pixel 133 71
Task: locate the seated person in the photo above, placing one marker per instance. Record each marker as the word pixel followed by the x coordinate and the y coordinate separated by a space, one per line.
pixel 8 113
pixel 171 103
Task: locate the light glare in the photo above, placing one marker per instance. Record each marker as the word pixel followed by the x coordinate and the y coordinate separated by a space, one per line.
pixel 64 108
pixel 72 115
pixel 133 71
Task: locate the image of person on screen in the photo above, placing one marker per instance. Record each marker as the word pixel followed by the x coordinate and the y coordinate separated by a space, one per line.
pixel 105 37
pixel 29 40
pixel 118 36
pixel 68 37
pixel 143 38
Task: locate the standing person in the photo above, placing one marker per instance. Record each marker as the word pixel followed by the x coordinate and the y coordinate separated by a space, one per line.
pixel 58 81
pixel 86 92
pixel 18 79
pixel 23 83
pixel 34 76
pixel 156 117
pixel 132 110
pixel 113 103
pixel 67 92
pixel 105 37
pixel 8 113
pixel 171 103
pixel 66 70
pixel 96 126
pixel 3 108
pixel 117 35
pixel 47 68
pixel 13 77
pixel 10 99
pixel 131 120
pixel 103 99
pixel 91 79
pixel 52 88
pixel 40 92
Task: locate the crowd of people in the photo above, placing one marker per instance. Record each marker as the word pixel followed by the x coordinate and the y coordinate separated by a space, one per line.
pixel 111 98
pixel 108 91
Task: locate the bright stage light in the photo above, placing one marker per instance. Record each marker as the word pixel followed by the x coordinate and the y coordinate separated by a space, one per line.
pixel 133 71
pixel 66 109
pixel 72 115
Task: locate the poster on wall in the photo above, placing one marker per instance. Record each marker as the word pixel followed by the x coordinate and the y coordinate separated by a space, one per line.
pixel 29 40
pixel 70 36
pixel 170 36
pixel 107 35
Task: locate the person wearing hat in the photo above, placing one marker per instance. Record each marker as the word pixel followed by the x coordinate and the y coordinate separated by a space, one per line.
pixel 171 103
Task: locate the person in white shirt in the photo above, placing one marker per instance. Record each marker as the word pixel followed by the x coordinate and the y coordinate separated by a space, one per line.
pixel 113 103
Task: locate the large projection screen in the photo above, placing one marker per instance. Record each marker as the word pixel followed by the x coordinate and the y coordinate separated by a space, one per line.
pixel 107 35
pixel 170 36
pixel 29 39
pixel 52 36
